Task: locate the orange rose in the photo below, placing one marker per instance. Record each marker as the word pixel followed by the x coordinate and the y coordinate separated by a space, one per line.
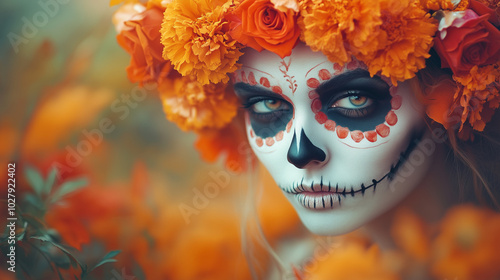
pixel 140 37
pixel 259 25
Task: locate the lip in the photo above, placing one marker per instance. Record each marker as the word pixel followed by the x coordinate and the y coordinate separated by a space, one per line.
pixel 318 200
pixel 325 195
pixel 329 188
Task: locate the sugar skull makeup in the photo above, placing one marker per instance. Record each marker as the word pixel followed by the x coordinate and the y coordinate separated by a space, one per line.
pixel 335 140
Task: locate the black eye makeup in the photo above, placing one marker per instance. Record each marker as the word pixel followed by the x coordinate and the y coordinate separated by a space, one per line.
pixel 268 112
pixel 355 100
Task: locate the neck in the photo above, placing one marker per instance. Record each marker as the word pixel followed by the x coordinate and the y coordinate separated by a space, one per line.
pixel 429 200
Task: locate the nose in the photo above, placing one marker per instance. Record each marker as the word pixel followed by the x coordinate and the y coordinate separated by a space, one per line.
pixel 302 151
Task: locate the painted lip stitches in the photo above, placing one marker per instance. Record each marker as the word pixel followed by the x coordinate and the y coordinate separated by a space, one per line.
pixel 326 196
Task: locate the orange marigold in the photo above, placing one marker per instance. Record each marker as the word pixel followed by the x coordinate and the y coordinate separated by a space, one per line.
pixel 436 5
pixel 195 39
pixel 467 246
pixel 327 24
pixel 478 95
pixel 350 261
pixel 193 106
pixel 408 33
pixel 229 141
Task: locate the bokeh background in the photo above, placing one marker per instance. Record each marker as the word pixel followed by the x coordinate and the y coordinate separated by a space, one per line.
pixel 127 181
pixel 107 188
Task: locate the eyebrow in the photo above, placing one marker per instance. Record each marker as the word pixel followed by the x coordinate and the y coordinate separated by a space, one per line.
pixel 343 81
pixel 245 91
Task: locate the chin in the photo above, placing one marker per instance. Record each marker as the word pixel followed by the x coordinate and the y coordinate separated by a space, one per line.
pixel 355 210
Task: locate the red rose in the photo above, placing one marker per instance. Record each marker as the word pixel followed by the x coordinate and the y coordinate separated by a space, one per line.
pixel 466 39
pixel 257 24
pixel 140 37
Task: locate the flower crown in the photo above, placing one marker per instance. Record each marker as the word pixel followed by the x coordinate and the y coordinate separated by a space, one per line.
pixel 189 48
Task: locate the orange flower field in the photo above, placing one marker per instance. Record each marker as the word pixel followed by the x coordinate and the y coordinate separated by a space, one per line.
pixel 105 187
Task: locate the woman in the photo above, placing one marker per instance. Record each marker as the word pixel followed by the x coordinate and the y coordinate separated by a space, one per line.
pixel 354 107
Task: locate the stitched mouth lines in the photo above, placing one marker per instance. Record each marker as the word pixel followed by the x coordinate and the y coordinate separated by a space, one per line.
pixel 313 187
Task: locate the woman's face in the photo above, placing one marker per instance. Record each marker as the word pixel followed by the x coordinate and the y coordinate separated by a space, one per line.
pixel 343 146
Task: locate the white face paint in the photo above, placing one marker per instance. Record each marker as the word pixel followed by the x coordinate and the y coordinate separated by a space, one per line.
pixel 332 137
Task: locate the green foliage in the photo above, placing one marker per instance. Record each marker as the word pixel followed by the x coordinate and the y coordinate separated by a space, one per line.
pixel 36 240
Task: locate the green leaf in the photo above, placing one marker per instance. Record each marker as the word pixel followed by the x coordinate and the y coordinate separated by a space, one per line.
pixel 73 260
pixel 34 179
pixel 108 258
pixel 35 201
pixel 68 187
pixel 51 179
pixel 35 222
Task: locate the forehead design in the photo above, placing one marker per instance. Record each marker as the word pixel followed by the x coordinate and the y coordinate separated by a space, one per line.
pixel 301 74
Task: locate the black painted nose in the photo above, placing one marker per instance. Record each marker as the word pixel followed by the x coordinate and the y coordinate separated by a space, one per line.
pixel 305 152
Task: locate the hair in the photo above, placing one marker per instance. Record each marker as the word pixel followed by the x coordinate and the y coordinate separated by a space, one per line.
pixel 474 167
pixel 475 163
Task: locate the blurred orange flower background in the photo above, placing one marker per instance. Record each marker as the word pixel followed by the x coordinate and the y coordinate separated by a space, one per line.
pixel 107 188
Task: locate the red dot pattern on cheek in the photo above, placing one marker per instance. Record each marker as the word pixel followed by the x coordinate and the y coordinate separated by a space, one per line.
pixel 265 82
pixel 357 135
pixel 269 141
pixel 289 126
pixel 396 102
pixel 321 117
pixel 259 142
pixel 330 125
pixel 391 118
pixel 279 136
pixel 342 132
pixel 382 130
pixel 316 105
pixel 371 136
pixel 312 94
